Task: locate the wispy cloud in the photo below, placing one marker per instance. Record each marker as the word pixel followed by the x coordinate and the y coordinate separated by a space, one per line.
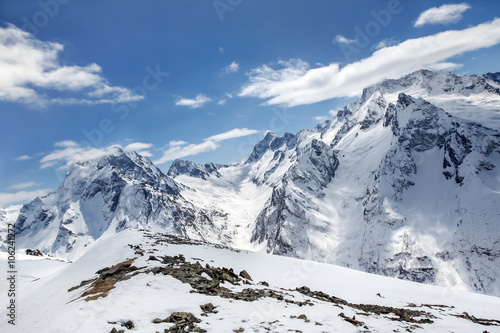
pixel 180 149
pixel 233 67
pixel 295 84
pixel 21 196
pixel 322 119
pixel 69 152
pixel 384 43
pixel 444 66
pixel 33 74
pixel 232 134
pixel 140 148
pixel 23 158
pixel 343 40
pixel 445 14
pixel 24 185
pixel 194 103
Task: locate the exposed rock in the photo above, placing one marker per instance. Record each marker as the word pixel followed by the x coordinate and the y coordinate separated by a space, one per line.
pixel 208 308
pixel 106 280
pixel 245 275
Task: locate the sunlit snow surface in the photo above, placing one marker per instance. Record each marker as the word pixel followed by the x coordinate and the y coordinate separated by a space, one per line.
pixel 45 305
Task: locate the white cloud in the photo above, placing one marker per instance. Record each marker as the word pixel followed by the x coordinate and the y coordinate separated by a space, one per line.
pixel 343 40
pixel 221 50
pixel 197 102
pixel 232 134
pixel 32 73
pixel 451 13
pixel 296 84
pixel 140 148
pixel 321 119
pixel 174 143
pixel 66 144
pixel 233 67
pixel 331 114
pixel 384 43
pixel 180 149
pixel 67 153
pixel 21 196
pixel 23 158
pixel 222 102
pixel 228 95
pixel 24 185
pixel 187 150
pixel 444 66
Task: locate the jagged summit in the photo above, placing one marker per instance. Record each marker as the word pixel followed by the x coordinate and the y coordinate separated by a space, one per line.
pixel 271 142
pixel 493 76
pixel 403 182
pixel 183 167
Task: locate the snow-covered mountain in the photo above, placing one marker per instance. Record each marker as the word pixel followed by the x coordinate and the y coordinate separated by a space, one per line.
pixel 138 281
pixel 104 196
pixel 403 182
pixel 394 185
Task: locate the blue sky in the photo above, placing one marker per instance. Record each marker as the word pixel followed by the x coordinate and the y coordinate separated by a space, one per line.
pixel 204 80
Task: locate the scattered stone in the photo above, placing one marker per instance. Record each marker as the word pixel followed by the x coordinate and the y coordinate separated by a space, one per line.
pixel 403 314
pixel 351 320
pixel 264 283
pixel 36 252
pixel 184 322
pixel 128 324
pixel 303 317
pixel 239 330
pixel 153 258
pixel 481 321
pixel 114 330
pixel 208 308
pixel 245 275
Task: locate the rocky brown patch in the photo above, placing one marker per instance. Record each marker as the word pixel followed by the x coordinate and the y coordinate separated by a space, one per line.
pixel 108 277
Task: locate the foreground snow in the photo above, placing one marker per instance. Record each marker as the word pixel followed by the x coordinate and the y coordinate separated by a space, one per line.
pixel 46 305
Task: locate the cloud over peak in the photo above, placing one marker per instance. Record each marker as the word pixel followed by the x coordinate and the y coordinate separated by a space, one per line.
pixel 180 149
pixel 296 84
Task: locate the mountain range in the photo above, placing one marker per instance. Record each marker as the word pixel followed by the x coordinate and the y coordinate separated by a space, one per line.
pixel 404 182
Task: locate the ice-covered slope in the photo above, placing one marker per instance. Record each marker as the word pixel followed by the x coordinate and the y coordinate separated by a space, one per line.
pixel 145 282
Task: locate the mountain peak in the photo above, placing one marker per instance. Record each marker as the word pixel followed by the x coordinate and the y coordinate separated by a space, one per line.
pixel 271 142
pixel 184 167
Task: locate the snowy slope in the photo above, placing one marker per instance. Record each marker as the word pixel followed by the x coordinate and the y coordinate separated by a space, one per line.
pixel 171 278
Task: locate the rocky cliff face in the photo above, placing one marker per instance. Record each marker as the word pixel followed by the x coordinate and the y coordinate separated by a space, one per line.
pixel 403 182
